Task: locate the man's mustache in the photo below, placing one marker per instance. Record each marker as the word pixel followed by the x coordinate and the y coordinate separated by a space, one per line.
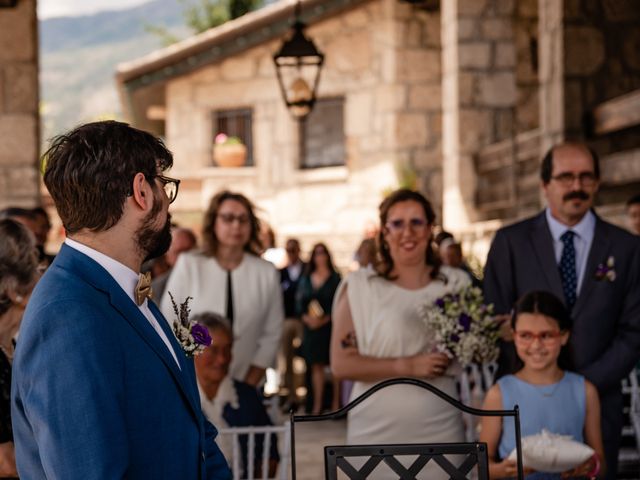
pixel 576 194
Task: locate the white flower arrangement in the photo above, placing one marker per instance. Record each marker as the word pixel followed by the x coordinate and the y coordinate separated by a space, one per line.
pixel 193 337
pixel 463 327
pixel 606 271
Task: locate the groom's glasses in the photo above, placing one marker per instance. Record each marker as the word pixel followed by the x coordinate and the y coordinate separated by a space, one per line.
pixel 170 186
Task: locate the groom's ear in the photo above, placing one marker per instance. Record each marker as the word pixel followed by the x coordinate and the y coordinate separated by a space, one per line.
pixel 142 194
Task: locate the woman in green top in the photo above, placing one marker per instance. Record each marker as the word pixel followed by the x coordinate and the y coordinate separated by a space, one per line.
pixel 314 298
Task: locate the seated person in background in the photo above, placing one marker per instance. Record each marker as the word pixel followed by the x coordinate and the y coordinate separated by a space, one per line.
pixel 229 402
pixel 549 396
pixel 33 220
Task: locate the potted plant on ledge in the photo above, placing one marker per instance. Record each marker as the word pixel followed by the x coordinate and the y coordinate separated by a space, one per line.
pixel 229 151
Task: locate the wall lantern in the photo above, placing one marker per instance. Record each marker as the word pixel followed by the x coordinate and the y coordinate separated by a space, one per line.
pixel 8 3
pixel 298 65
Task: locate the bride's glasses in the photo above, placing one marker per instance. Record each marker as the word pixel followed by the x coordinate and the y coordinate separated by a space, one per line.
pixel 398 225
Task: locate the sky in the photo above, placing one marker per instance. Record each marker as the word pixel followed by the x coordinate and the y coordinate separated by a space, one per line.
pixel 58 8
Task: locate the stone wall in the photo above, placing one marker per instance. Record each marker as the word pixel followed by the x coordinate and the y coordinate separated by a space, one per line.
pixel 19 179
pixel 383 58
pixel 479 95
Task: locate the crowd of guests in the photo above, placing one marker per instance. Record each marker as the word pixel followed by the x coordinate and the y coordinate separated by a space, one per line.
pixel 572 329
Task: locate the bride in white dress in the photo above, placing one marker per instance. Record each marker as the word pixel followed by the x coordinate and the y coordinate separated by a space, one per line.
pixel 377 334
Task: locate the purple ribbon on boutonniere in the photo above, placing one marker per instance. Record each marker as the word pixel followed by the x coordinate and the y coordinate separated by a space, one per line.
pixel 606 271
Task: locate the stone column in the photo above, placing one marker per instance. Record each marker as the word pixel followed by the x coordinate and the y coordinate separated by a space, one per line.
pixel 479 95
pixel 19 130
pixel 551 72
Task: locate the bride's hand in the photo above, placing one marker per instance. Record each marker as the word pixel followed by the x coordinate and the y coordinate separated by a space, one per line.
pixel 428 365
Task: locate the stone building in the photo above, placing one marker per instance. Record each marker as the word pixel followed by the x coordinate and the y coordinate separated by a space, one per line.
pixel 465 95
pixel 19 119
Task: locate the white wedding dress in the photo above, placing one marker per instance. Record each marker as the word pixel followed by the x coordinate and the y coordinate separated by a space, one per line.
pixel 387 324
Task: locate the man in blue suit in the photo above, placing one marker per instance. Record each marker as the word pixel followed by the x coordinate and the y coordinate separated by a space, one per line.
pixel 102 389
pixel 591 264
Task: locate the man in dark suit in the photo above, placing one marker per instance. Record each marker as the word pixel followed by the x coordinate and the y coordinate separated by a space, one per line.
pixel 292 328
pixel 101 388
pixel 595 268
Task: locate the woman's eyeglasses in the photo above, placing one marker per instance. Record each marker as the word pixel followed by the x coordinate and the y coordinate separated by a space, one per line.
pixel 548 338
pixel 229 218
pixel 397 226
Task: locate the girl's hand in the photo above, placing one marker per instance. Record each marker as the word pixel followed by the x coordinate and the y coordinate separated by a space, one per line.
pixel 428 365
pixel 506 469
pixel 588 469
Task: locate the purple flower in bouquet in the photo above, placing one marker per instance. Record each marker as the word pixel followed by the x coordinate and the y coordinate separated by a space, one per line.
pixel 462 326
pixel 465 320
pixel 201 335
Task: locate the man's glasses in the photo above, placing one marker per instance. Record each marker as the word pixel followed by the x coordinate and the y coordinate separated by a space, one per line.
pixel 170 186
pixel 547 338
pixel 397 226
pixel 566 179
pixel 229 218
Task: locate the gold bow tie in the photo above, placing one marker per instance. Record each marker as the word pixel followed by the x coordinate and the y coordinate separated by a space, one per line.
pixel 143 288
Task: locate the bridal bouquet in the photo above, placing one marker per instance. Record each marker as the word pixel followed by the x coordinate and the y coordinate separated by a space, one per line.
pixel 463 327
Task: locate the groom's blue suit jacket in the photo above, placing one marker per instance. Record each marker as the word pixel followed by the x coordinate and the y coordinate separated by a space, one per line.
pixel 96 394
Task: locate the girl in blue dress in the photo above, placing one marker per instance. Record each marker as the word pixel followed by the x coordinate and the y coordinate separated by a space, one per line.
pixel 549 396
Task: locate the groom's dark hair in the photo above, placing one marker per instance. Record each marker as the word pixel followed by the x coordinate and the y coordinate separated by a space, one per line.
pixel 89 171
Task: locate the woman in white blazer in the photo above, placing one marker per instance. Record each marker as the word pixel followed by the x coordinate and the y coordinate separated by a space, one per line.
pixel 229 278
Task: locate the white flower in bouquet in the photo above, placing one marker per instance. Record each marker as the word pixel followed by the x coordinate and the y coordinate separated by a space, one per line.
pixel 462 326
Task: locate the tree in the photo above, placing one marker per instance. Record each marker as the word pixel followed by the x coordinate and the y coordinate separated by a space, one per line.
pixel 206 14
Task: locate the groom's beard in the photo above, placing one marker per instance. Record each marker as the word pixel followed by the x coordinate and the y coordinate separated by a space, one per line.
pixel 151 242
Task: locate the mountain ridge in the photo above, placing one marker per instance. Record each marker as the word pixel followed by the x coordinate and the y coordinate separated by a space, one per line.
pixel 79 55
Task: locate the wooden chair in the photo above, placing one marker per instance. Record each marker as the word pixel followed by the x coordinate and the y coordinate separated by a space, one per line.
pixel 475 453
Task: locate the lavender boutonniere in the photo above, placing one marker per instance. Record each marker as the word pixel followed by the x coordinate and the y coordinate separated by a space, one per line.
pixel 193 337
pixel 606 271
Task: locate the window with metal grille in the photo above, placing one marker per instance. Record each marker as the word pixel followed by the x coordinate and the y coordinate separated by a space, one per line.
pixel 322 135
pixel 235 123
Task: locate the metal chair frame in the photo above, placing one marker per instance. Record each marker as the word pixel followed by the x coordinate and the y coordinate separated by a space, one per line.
pixel 388 451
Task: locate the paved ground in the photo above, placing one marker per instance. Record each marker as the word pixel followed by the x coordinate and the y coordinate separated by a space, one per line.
pixel 311 438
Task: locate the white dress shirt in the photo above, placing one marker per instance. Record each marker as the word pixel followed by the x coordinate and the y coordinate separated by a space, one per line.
pixel 127 279
pixel 584 231
pixel 295 270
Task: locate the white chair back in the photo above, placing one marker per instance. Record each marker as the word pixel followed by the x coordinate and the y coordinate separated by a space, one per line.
pixel 235 462
pixel 473 383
